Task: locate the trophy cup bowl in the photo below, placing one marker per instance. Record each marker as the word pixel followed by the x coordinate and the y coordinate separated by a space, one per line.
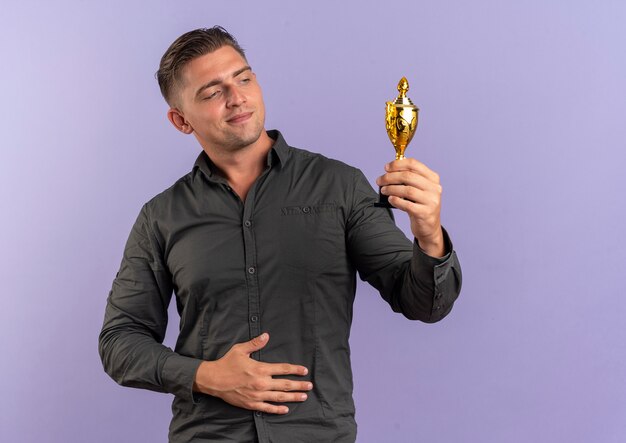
pixel 401 122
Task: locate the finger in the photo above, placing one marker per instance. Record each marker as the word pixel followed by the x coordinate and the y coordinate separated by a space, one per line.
pixel 289 385
pixel 410 178
pixel 283 369
pixel 412 164
pixel 284 397
pixel 255 344
pixel 412 194
pixel 269 408
pixel 416 209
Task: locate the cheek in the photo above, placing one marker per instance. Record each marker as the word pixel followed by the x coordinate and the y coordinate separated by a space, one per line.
pixel 259 102
pixel 207 116
pixel 256 94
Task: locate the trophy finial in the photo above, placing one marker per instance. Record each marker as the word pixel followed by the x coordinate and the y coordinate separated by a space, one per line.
pixel 403 87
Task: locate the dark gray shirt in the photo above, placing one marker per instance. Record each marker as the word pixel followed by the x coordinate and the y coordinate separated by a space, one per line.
pixel 284 261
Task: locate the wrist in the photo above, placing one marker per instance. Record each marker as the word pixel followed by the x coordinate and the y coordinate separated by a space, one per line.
pixel 433 246
pixel 202 382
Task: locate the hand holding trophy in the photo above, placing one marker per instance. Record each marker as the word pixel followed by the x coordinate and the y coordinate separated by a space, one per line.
pixel 401 123
pixel 415 188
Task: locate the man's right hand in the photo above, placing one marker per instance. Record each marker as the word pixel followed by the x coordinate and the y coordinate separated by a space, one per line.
pixel 244 382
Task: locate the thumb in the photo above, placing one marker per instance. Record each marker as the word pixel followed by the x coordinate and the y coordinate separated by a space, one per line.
pixel 256 343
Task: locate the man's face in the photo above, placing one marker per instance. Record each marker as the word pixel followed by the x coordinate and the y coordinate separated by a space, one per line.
pixel 221 100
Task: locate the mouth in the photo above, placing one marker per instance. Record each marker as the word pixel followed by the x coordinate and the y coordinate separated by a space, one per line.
pixel 239 118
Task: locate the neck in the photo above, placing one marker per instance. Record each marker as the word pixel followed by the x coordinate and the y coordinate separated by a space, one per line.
pixel 241 168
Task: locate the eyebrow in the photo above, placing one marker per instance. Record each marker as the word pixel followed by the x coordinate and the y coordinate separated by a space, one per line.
pixel 218 81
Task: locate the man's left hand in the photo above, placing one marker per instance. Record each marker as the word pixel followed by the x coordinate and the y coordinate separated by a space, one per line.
pixel 415 189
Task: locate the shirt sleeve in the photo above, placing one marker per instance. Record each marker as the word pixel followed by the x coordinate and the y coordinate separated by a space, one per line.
pixel 417 285
pixel 135 321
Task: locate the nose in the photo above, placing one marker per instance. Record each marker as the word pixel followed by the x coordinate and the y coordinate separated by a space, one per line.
pixel 235 97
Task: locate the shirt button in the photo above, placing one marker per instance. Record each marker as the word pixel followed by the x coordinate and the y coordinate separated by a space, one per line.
pixel 254 319
pixel 306 209
pixel 251 270
pixel 247 223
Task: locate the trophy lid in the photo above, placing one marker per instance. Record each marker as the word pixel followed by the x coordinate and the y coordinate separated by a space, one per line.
pixel 403 88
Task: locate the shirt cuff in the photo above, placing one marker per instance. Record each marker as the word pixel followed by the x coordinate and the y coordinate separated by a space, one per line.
pixel 428 260
pixel 178 375
pixel 436 272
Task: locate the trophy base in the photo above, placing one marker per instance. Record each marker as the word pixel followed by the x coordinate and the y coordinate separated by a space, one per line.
pixel 383 201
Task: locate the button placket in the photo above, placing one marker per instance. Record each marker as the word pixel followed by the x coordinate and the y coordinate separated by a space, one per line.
pixel 251 269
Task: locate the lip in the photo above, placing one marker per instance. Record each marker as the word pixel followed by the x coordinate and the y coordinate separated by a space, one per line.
pixel 239 118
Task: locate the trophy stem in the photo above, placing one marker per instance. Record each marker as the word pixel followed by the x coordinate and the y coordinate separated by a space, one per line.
pixel 400 153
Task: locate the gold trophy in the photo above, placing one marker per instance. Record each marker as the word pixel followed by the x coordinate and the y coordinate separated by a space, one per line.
pixel 401 123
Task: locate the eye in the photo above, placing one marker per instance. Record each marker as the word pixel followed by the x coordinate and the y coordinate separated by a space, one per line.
pixel 211 95
pixel 244 77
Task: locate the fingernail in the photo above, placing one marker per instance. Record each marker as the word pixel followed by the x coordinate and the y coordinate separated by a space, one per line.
pixel 303 396
pixel 306 371
pixel 387 166
pixel 263 336
pixel 309 386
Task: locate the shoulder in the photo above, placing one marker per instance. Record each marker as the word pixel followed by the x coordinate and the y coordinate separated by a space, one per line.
pixel 299 159
pixel 172 195
pixel 302 159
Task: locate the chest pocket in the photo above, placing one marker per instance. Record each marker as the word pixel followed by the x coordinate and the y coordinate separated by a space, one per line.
pixel 310 236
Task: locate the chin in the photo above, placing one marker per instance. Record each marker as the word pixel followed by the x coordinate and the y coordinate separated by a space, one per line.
pixel 240 141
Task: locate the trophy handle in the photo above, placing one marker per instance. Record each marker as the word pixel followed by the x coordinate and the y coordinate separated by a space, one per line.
pixel 388 116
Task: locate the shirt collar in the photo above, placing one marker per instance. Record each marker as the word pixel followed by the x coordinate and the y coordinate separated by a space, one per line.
pixel 280 147
pixel 278 154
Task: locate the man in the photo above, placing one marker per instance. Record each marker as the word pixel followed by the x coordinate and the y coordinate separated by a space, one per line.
pixel 261 243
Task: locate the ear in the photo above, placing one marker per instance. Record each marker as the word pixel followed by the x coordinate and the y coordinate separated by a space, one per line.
pixel 178 120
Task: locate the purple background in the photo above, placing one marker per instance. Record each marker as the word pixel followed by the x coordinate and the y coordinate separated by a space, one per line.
pixel 522 109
